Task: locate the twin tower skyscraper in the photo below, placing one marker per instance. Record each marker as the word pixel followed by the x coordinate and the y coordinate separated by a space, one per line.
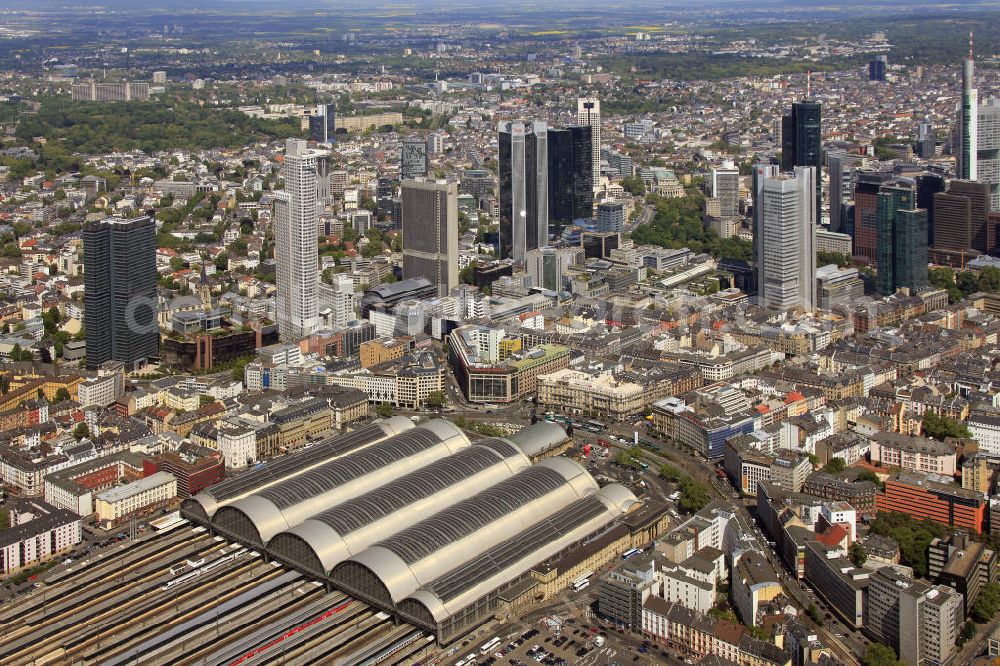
pixel 547 178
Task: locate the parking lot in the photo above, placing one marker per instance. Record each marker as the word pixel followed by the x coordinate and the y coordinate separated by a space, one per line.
pixel 572 641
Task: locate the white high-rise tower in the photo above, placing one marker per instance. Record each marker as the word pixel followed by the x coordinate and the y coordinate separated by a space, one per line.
pixel 296 247
pixel 787 261
pixel 588 112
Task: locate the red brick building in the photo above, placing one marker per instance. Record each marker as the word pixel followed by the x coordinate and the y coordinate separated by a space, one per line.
pixel 196 467
pixel 917 495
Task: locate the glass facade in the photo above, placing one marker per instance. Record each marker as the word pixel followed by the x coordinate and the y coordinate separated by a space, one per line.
pixel 571 196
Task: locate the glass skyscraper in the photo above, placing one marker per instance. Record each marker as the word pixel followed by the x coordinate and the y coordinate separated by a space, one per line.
pixel 802 142
pixel 120 291
pixel 571 195
pixel 524 198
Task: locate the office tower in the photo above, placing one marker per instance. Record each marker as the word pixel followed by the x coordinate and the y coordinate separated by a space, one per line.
pixel 726 188
pixel 835 164
pixel 480 183
pixel 988 149
pixel 340 298
pixel 787 270
pixel 588 112
pixel 866 189
pixel 412 157
pixel 295 247
pixel 802 143
pixel 761 172
pixel 598 245
pixel 930 619
pixel 967 138
pixel 960 217
pixel 322 124
pixel 877 67
pixel 571 194
pixel 902 240
pixel 926 141
pixel 119 295
pixel 524 196
pixel 929 184
pixel 548 265
pixel 610 216
pixel 430 232
pixel 837 286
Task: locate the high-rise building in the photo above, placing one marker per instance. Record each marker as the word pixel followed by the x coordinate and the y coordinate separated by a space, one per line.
pixel 323 123
pixel 726 188
pixel 571 194
pixel 588 112
pixel 295 248
pixel 802 143
pixel 835 164
pixel 548 265
pixel 988 149
pixel 761 172
pixel 877 67
pixel 610 216
pixel 412 157
pixel 966 148
pixel 120 291
pixel 926 141
pixel 524 196
pixel 902 240
pixel 929 184
pixel 787 268
pixel 340 298
pixel 866 189
pixel 430 232
pixel 930 620
pixel 119 91
pixel 960 217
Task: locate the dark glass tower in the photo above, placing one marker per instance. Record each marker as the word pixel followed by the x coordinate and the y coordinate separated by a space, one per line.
pixel 902 240
pixel 120 291
pixel 929 184
pixel 571 194
pixel 802 142
pixel 322 124
pixel 524 199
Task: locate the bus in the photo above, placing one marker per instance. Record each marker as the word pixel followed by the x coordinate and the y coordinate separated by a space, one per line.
pixel 596 426
pixel 632 552
pixel 583 581
pixel 490 645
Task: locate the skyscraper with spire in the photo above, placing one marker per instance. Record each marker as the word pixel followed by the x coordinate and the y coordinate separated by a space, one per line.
pixel 967 141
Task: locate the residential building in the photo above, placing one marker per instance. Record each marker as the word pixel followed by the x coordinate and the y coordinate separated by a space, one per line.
pixel 38 532
pixel 754 584
pixel 891 449
pixel 120 291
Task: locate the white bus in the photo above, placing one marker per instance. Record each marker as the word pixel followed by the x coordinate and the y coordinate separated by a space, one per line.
pixel 490 646
pixel 630 553
pixel 583 581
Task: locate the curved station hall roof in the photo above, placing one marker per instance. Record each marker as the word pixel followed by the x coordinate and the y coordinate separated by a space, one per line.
pixel 416 519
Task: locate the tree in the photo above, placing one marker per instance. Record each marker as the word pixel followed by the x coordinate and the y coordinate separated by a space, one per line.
pixel 987 603
pixel 912 536
pixel 858 554
pixel 80 431
pixel 878 654
pixel 814 615
pixel 435 399
pixel 634 185
pixel 384 410
pixel 693 497
pixel 239 366
pixel 835 466
pixel 940 427
pixel 62 394
pixel 669 472
pixel 869 475
pixel 222 262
